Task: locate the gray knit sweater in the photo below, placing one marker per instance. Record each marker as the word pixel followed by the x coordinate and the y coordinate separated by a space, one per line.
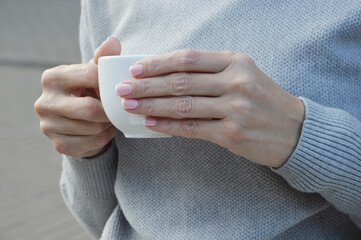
pixel 178 188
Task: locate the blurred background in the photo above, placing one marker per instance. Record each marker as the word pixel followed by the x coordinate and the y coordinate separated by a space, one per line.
pixel 34 35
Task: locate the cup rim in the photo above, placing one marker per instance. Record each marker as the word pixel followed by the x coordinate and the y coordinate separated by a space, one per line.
pixel 125 56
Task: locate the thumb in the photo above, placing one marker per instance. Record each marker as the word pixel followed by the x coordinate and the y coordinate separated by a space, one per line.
pixel 109 47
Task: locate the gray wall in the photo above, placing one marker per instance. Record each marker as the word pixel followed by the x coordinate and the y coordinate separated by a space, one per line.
pixel 34 35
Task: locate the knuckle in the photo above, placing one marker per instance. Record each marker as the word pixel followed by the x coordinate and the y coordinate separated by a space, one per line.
pixel 244 59
pixel 245 85
pixel 241 108
pixel 235 83
pixel 61 147
pixel 51 76
pixel 236 106
pixel 187 57
pixel 42 105
pixel 229 53
pixel 38 106
pixel 152 64
pixel 234 133
pixel 184 106
pixel 170 127
pixel 85 74
pixel 147 106
pixel 88 72
pixel 180 83
pixel 144 87
pixel 48 77
pixel 189 128
pixel 45 128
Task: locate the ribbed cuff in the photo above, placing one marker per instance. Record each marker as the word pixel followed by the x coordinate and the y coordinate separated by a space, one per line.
pixel 327 158
pixel 94 176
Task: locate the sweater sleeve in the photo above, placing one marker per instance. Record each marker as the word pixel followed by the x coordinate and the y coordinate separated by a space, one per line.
pixel 327 159
pixel 87 186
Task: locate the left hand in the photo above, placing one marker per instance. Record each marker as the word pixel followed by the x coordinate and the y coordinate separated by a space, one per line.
pixel 222 97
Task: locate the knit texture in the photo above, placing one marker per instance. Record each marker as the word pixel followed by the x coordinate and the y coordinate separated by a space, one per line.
pixel 177 188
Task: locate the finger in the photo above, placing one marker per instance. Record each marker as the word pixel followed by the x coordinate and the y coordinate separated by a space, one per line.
pixel 80 108
pixel 66 126
pixel 185 60
pixel 78 146
pixel 68 77
pixel 177 107
pixel 175 84
pixel 109 47
pixel 77 76
pixel 189 128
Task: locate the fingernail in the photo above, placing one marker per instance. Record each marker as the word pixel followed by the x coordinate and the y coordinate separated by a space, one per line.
pixel 113 37
pixel 130 104
pixel 124 89
pixel 136 70
pixel 150 122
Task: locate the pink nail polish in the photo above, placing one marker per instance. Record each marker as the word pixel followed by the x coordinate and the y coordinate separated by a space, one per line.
pixel 150 122
pixel 136 70
pixel 130 104
pixel 124 89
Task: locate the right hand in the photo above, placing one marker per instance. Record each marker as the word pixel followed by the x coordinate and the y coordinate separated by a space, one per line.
pixel 70 111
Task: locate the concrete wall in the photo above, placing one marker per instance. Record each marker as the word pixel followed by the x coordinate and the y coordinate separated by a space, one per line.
pixel 34 35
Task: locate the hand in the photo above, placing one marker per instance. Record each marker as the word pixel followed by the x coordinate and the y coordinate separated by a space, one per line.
pixel 222 97
pixel 70 111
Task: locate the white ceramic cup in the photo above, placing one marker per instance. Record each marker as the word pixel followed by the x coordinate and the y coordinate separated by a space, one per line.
pixel 111 71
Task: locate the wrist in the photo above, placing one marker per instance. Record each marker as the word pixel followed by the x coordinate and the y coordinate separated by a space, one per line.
pixel 297 116
pixel 97 152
